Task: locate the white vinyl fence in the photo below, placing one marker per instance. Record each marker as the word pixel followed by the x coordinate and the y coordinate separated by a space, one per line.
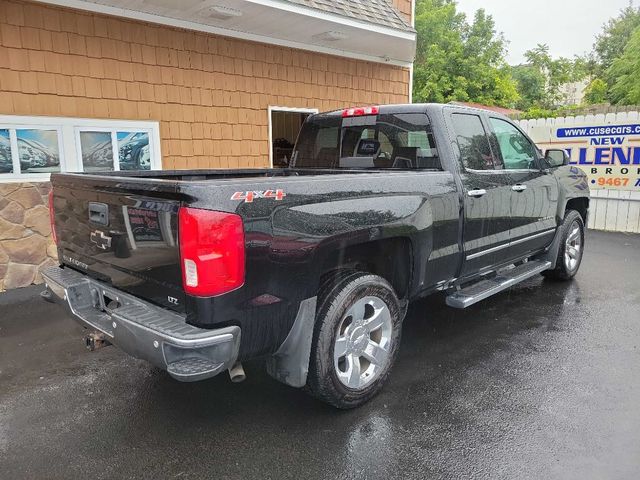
pixel 607 148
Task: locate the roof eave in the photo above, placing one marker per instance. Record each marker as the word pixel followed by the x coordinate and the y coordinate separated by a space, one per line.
pixel 363 40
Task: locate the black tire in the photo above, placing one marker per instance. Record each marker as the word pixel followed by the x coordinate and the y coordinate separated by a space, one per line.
pixel 563 270
pixel 337 295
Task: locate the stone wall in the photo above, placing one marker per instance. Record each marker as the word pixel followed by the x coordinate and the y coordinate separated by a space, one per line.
pixel 26 245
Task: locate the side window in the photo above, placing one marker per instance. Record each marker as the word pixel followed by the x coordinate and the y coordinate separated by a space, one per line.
pixel 518 153
pixel 473 142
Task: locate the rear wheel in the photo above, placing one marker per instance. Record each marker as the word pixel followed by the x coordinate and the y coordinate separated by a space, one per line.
pixel 356 339
pixel 571 248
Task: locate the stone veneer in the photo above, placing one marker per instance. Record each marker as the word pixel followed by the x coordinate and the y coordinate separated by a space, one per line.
pixel 26 245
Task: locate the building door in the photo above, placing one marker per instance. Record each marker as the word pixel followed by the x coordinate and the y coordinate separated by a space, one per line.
pixel 284 125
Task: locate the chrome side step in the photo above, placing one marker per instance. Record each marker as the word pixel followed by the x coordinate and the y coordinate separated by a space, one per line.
pixel 485 288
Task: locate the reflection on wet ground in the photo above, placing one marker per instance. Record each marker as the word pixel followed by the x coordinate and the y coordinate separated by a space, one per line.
pixel 539 382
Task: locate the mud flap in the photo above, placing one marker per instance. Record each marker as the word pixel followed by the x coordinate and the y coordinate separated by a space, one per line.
pixel 290 364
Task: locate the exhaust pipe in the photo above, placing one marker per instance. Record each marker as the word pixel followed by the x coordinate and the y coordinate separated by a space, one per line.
pixel 94 341
pixel 237 373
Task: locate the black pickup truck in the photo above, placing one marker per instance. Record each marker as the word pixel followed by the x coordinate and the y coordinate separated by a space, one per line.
pixel 312 267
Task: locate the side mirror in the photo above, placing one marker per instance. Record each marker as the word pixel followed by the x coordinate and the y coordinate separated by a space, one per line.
pixel 556 157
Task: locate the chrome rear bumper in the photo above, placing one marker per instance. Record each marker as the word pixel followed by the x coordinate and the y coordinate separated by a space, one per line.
pixel 144 330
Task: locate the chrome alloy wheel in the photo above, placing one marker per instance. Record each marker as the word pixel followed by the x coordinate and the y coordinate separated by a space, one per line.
pixel 573 247
pixel 363 342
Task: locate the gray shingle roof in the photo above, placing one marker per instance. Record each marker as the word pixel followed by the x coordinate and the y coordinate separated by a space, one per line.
pixel 379 12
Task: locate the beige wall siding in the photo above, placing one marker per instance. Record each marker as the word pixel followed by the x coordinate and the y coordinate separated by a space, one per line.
pixel 209 93
pixel 405 7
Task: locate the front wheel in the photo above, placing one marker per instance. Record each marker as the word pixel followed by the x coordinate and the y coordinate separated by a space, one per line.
pixel 571 248
pixel 356 339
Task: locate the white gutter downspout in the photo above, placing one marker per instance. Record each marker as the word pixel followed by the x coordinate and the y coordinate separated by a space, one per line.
pixel 413 24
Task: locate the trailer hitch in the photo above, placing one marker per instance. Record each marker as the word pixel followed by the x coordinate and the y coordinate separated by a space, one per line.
pixel 95 340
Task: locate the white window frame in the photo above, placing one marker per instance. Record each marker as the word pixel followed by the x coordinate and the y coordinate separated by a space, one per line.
pixel 114 144
pixel 69 129
pixel 155 159
pixel 272 109
pixel 13 128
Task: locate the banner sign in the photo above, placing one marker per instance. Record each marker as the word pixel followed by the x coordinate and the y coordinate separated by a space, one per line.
pixel 608 154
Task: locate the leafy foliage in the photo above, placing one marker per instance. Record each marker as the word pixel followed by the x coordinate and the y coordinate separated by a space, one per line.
pixel 625 72
pixel 615 35
pixel 541 79
pixel 462 60
pixel 459 61
pixel 531 86
pixel 596 92
pixel 610 46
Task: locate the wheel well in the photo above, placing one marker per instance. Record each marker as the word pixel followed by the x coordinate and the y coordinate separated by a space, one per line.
pixel 389 259
pixel 580 205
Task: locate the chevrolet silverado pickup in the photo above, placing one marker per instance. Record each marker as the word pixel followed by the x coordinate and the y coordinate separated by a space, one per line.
pixel 311 267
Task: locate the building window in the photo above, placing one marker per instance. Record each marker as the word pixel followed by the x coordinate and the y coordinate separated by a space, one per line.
pixel 96 151
pixel 31 148
pixel 133 150
pixel 38 150
pixel 108 150
pixel 6 158
pixel 29 151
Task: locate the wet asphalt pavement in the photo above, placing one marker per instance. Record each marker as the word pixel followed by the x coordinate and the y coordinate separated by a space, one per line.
pixel 541 382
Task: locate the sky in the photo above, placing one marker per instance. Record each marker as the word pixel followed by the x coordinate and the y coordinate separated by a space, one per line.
pixel 569 27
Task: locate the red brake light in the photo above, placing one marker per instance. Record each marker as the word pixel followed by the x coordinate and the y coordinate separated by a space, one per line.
pixel 52 218
pixel 360 111
pixel 211 251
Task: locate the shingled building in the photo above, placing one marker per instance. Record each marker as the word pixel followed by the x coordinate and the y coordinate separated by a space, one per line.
pixel 94 85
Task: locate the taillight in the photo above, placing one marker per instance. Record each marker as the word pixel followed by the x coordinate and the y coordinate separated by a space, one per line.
pixel 360 111
pixel 211 251
pixel 52 218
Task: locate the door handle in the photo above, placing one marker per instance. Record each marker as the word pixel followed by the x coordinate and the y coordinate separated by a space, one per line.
pixel 477 193
pixel 519 188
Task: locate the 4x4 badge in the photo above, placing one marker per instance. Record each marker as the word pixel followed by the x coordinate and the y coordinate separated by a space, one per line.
pixel 249 197
pixel 102 241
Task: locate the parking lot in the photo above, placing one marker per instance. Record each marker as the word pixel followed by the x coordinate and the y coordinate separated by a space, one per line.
pixel 540 382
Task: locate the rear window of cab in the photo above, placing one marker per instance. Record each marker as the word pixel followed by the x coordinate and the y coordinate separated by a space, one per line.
pixel 397 141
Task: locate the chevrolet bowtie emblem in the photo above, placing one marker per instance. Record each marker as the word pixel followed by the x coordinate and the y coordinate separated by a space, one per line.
pixel 101 240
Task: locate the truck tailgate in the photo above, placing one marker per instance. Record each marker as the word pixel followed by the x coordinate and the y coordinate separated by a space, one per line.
pixel 122 233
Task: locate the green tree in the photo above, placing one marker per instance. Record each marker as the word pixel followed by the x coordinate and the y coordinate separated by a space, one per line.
pixel 531 84
pixel 488 77
pixel 615 36
pixel 625 73
pixel 556 72
pixel 459 61
pixel 541 79
pixel 439 52
pixel 596 92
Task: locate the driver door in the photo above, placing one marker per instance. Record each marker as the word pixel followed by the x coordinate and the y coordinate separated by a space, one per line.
pixel 533 192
